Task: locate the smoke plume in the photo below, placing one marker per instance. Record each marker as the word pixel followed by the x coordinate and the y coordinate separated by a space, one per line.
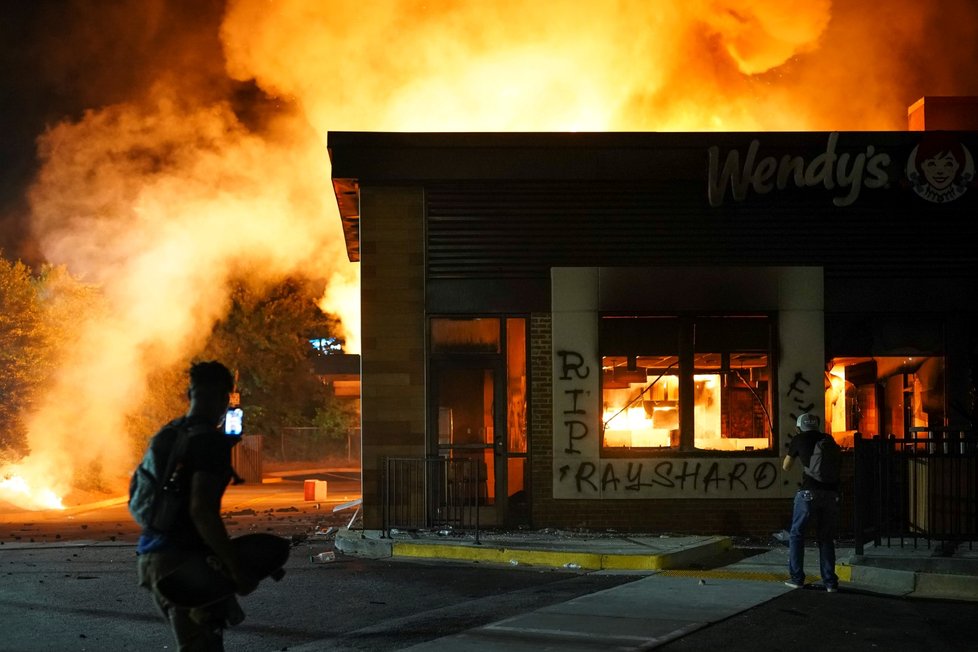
pixel 194 149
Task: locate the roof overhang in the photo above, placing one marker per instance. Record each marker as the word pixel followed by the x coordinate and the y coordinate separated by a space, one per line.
pixel 348 199
pixel 683 159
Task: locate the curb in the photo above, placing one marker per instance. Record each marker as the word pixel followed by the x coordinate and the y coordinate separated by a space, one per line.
pixel 945 587
pixel 358 545
pixel 876 579
pixel 916 584
pixel 373 548
pixel 108 502
pixel 889 579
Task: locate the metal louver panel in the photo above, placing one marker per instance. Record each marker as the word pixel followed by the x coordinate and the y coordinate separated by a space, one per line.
pixel 522 229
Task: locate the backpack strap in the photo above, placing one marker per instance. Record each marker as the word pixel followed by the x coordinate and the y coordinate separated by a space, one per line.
pixel 184 433
pixel 164 506
pixel 176 454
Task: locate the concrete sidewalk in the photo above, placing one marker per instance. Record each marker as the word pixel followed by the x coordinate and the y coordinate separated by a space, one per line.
pixel 690 582
pixel 900 568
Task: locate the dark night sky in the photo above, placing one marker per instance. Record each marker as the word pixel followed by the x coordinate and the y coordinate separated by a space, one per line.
pixel 62 57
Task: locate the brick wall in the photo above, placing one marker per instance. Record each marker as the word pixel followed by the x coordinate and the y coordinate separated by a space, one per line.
pixel 541 418
pixel 392 334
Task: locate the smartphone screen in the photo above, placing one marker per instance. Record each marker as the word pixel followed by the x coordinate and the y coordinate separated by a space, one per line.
pixel 233 421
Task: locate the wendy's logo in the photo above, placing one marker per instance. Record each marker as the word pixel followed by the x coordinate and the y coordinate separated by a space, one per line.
pixel 940 169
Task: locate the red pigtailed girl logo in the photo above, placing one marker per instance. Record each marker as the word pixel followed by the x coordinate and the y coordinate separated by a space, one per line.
pixel 940 169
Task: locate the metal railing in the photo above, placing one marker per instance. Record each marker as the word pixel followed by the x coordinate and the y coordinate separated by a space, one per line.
pixel 311 443
pixel 921 489
pixel 432 493
pixel 246 458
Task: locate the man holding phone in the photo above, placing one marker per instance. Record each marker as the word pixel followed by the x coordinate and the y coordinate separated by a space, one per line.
pixel 202 474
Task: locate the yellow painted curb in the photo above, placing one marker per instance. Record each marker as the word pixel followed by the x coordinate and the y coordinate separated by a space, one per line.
pixel 585 560
pixel 555 559
pixel 844 573
pixel 721 574
pixel 666 563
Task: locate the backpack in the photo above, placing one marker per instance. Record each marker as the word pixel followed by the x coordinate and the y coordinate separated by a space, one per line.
pixel 826 461
pixel 156 488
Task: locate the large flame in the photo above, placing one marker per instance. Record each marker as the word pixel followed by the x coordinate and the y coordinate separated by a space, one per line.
pixel 27 488
pixel 163 197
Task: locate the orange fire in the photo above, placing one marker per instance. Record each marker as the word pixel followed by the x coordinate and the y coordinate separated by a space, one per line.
pixel 20 486
pixel 162 198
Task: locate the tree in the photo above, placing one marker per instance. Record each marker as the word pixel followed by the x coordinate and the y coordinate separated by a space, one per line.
pixel 23 336
pixel 264 339
pixel 37 315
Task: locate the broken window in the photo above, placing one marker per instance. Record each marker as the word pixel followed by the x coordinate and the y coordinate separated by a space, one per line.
pixel 883 395
pixel 686 383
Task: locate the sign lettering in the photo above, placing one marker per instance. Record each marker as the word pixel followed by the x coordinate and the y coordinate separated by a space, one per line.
pixel 848 172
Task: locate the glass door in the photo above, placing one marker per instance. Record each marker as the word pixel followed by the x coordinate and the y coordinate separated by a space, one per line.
pixel 478 410
pixel 465 394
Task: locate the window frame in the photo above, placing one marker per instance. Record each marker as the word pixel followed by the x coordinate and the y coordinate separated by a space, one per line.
pixel 687 352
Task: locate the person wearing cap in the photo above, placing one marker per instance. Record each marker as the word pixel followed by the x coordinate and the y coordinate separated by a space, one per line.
pixel 815 500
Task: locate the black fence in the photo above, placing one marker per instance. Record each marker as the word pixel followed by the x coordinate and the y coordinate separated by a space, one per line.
pixel 432 493
pixel 919 490
pixel 246 458
pixel 308 443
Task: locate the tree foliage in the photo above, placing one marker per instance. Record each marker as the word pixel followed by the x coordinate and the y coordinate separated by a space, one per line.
pixel 37 316
pixel 22 351
pixel 264 339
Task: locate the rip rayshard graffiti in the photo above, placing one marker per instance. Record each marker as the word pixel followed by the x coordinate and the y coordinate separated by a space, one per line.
pixel 576 399
pixel 581 472
pixel 669 478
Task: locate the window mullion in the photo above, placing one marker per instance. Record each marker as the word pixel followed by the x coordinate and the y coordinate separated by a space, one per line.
pixel 687 386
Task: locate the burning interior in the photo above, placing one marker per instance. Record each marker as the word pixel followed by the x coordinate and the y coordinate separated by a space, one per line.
pixel 883 395
pixel 716 378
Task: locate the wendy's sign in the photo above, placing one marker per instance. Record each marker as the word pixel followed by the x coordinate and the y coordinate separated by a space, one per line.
pixel 939 169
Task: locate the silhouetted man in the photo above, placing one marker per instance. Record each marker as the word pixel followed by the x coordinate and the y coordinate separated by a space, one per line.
pixel 203 473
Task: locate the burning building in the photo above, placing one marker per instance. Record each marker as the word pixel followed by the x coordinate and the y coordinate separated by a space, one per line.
pixel 620 329
pixel 183 172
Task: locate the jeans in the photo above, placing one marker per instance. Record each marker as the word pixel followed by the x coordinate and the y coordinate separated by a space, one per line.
pixel 823 507
pixel 200 629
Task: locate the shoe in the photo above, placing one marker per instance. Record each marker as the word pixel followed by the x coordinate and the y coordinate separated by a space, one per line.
pixel 793 584
pixel 831 589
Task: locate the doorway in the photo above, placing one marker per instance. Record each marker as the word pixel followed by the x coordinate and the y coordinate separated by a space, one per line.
pixel 478 408
pixel 886 396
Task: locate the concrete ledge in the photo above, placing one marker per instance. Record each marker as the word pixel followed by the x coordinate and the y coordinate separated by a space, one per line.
pixel 946 587
pixel 889 579
pixel 916 584
pixel 671 556
pixel 361 544
pixel 563 558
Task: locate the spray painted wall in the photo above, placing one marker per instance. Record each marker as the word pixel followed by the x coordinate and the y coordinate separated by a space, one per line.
pixel 579 295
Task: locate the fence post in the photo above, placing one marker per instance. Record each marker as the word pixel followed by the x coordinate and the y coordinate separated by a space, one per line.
pixel 858 491
pixel 387 491
pixel 478 486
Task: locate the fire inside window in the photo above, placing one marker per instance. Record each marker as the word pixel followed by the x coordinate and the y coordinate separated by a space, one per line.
pixel 883 396
pixel 721 397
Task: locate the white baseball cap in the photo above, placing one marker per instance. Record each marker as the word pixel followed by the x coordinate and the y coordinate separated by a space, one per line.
pixel 808 422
